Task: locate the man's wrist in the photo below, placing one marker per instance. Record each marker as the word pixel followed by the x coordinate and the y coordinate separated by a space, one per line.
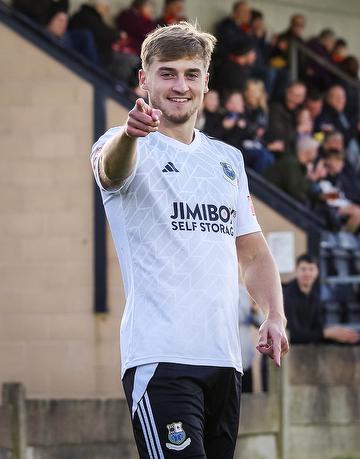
pixel 277 316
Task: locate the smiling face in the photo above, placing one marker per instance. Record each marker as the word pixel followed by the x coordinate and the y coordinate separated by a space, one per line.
pixel 176 88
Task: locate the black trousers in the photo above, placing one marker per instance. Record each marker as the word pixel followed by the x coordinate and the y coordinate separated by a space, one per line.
pixel 186 411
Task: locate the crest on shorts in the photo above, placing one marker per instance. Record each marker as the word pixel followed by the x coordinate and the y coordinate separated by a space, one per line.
pixel 228 171
pixel 177 437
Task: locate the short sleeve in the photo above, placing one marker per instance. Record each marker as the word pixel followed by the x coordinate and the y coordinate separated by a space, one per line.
pixel 95 158
pixel 246 221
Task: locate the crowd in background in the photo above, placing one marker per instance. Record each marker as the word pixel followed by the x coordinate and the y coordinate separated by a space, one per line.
pixel 302 136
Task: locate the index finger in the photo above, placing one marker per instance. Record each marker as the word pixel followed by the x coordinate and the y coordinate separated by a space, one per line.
pixel 142 106
pixel 277 352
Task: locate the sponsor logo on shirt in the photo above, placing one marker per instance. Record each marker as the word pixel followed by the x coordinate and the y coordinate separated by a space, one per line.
pixel 202 217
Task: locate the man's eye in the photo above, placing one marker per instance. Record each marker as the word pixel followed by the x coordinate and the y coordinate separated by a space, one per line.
pixel 167 75
pixel 193 76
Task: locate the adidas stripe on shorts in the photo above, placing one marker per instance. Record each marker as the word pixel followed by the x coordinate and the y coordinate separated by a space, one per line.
pixel 184 411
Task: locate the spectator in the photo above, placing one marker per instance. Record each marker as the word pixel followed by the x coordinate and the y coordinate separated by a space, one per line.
pixel 80 41
pixel 317 76
pixel 234 128
pixel 91 16
pixel 233 29
pixel 137 21
pixel 40 11
pixel 305 126
pixel 350 66
pixel 342 175
pixel 340 51
pixel 174 12
pixel 256 108
pixel 290 173
pixel 283 116
pixel 209 118
pixel 333 116
pixel 279 62
pixel 314 103
pixel 332 141
pixel 303 308
pixel 281 52
pixel 262 48
pixel 236 68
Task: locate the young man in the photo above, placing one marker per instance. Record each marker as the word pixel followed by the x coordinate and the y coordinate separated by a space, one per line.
pixel 303 308
pixel 181 217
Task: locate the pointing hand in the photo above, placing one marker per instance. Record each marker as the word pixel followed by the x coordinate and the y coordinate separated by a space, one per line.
pixel 142 120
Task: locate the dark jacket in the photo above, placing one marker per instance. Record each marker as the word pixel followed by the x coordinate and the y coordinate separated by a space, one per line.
pixel 136 25
pixel 290 176
pixel 104 36
pixel 288 36
pixel 236 135
pixel 303 313
pixel 230 76
pixel 282 125
pixel 348 181
pixel 338 122
pixel 317 75
pixel 228 33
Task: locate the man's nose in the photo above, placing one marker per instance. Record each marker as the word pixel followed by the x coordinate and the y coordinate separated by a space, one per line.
pixel 180 85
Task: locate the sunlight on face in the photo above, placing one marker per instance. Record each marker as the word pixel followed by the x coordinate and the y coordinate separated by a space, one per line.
pixel 175 87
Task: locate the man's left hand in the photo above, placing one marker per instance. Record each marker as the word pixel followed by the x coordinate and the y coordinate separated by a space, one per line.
pixel 272 339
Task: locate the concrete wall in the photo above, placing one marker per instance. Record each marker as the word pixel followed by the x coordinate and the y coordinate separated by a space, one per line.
pixel 47 324
pixel 312 411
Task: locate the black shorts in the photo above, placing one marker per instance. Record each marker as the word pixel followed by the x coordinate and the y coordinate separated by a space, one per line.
pixel 185 411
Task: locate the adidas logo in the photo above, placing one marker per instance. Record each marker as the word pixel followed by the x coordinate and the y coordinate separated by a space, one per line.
pixel 170 168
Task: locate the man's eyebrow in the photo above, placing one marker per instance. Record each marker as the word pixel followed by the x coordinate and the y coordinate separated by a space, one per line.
pixel 172 69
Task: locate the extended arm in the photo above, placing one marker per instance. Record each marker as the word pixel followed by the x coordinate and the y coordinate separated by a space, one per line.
pixel 118 155
pixel 262 281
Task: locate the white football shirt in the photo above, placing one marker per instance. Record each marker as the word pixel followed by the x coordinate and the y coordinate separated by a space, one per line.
pixel 174 222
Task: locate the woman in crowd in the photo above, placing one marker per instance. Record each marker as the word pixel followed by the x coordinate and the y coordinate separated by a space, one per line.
pixel 209 116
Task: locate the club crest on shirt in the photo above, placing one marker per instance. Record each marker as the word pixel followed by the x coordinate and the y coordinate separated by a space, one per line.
pixel 228 171
pixel 177 437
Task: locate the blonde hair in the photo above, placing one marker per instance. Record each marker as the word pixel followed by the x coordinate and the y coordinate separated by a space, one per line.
pixel 177 41
pixel 262 97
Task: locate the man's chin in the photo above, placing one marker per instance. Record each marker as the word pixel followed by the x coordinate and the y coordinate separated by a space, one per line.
pixel 178 118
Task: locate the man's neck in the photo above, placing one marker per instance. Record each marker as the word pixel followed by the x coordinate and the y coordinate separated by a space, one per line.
pixel 182 132
pixel 305 289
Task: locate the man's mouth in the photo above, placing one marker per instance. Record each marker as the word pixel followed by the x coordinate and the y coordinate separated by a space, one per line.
pixel 178 100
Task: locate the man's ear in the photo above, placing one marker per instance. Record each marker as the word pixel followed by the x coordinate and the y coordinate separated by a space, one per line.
pixel 142 80
pixel 206 89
